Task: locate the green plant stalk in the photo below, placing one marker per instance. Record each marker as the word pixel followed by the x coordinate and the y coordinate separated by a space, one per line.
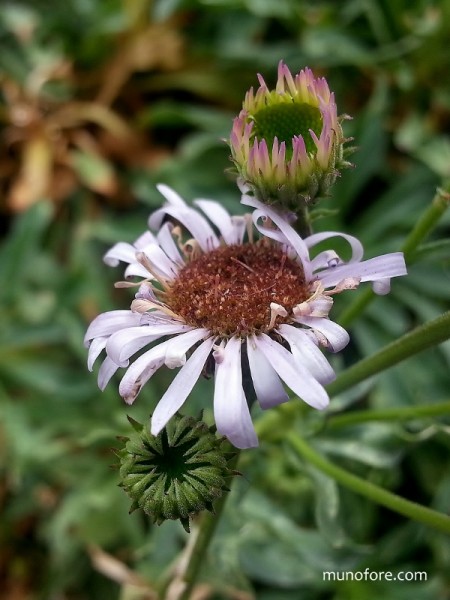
pixel 426 223
pixel 365 488
pixel 303 223
pixel 207 526
pixel 402 413
pixel 430 334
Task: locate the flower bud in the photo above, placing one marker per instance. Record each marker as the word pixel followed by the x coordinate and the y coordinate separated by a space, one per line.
pixel 177 473
pixel 287 144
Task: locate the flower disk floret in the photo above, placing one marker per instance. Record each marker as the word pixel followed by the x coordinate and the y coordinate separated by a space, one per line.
pixel 260 265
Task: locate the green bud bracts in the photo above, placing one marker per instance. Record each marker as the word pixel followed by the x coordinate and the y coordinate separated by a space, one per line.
pixel 287 143
pixel 177 473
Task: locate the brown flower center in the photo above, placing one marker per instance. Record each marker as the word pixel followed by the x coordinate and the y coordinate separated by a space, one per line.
pixel 229 290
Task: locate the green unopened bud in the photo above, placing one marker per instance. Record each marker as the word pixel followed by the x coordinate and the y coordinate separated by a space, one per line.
pixel 287 144
pixel 176 474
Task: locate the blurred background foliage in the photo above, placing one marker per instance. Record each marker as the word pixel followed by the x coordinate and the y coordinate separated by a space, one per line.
pixel 98 102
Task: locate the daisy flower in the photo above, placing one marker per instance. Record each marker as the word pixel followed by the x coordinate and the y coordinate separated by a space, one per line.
pixel 240 294
pixel 287 144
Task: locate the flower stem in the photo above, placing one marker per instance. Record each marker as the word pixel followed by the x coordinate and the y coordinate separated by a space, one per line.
pixel 430 334
pixel 423 227
pixel 181 588
pixel 303 223
pixel 399 413
pixel 409 509
pixel 427 221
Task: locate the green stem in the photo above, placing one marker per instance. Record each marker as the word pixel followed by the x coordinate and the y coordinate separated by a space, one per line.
pixel 423 227
pixel 185 581
pixel 427 221
pixel 409 509
pixel 400 413
pixel 303 223
pixel 430 334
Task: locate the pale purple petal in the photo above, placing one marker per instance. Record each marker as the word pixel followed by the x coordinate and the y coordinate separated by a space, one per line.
pixel 167 243
pixel 326 259
pixel 144 240
pixel 306 352
pixel 231 412
pixel 146 292
pixel 220 217
pixel 240 226
pixel 336 337
pixel 161 263
pixel 296 377
pixel 120 252
pixel 140 371
pixel 181 387
pixel 381 287
pixel 95 348
pixel 355 244
pixel 137 270
pixel 192 220
pixel 268 387
pixel 380 267
pixel 123 344
pixel 109 322
pixel 290 235
pixel 106 371
pixel 320 307
pixel 179 345
pixel 171 195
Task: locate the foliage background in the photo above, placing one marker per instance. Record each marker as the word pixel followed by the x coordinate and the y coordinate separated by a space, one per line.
pixel 98 102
